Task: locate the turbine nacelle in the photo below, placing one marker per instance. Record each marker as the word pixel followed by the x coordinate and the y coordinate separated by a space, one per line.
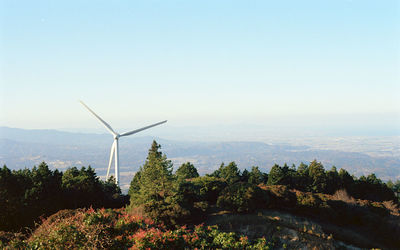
pixel 114 147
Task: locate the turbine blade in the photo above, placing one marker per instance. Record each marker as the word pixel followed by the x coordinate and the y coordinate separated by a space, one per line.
pixel 141 129
pixel 108 127
pixel 110 161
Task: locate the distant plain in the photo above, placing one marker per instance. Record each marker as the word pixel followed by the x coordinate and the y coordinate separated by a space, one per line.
pixel 360 155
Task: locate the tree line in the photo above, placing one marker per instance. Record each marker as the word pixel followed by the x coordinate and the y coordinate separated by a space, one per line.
pixel 171 197
pixel 28 194
pixel 183 196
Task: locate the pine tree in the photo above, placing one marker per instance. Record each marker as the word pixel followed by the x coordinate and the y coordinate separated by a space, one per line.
pixel 156 190
pixel 256 176
pixel 245 176
pixel 186 171
pixel 317 174
pixel 275 176
pixel 230 173
pixel 135 184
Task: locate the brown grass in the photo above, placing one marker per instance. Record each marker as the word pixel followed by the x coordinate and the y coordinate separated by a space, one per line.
pixel 392 207
pixel 342 195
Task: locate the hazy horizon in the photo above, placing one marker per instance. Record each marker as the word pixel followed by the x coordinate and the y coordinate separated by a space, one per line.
pixel 360 155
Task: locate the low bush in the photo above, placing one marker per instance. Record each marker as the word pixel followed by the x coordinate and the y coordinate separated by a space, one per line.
pixel 117 229
pixel 280 196
pixel 243 197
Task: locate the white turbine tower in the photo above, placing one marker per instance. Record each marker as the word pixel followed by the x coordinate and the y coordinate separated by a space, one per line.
pixel 114 147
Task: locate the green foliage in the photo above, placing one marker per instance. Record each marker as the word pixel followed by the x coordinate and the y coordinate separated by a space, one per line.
pixel 302 179
pixel 308 200
pixel 245 176
pixel 209 188
pixel 183 197
pixel 190 203
pixel 276 175
pixel 370 188
pixel 242 197
pixel 314 178
pixel 155 188
pixel 229 173
pixel 256 176
pixel 25 195
pixel 395 187
pixel 81 186
pixel 135 184
pixel 75 180
pixel 156 179
pixel 282 175
pixel 332 180
pixel 170 200
pixel 111 229
pixel 316 172
pixel 186 171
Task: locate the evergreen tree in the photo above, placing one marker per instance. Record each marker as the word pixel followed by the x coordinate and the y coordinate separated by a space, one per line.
pixel 229 173
pixel 186 171
pixel 302 181
pixel 242 197
pixel 11 199
pixel 209 188
pixel 135 184
pixel 156 179
pixel 346 180
pixel 244 177
pixel 217 172
pixel 157 190
pixel 372 179
pixel 333 181
pixel 275 176
pixel 110 188
pixel 317 174
pixel 256 176
pixel 82 187
pixel 26 194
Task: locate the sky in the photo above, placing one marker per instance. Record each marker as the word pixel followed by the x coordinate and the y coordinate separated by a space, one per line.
pixel 201 63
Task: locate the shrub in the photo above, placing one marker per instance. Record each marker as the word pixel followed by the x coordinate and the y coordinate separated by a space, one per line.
pixel 280 196
pixel 308 200
pixel 112 229
pixel 242 197
pixel 209 188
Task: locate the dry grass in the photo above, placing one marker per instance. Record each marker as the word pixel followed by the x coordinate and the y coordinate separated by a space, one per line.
pixel 392 207
pixel 342 195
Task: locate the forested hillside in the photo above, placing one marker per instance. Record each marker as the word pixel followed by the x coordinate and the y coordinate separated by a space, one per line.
pixel 26 195
pixel 293 207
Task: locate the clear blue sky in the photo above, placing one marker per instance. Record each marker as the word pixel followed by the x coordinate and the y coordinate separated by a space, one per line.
pixel 199 62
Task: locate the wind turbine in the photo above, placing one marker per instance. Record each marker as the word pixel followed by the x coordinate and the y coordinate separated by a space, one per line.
pixel 114 147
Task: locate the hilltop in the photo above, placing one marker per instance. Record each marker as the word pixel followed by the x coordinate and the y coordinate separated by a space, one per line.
pixel 300 225
pixel 304 206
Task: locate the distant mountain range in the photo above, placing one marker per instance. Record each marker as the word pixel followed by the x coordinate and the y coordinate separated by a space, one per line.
pixel 21 148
